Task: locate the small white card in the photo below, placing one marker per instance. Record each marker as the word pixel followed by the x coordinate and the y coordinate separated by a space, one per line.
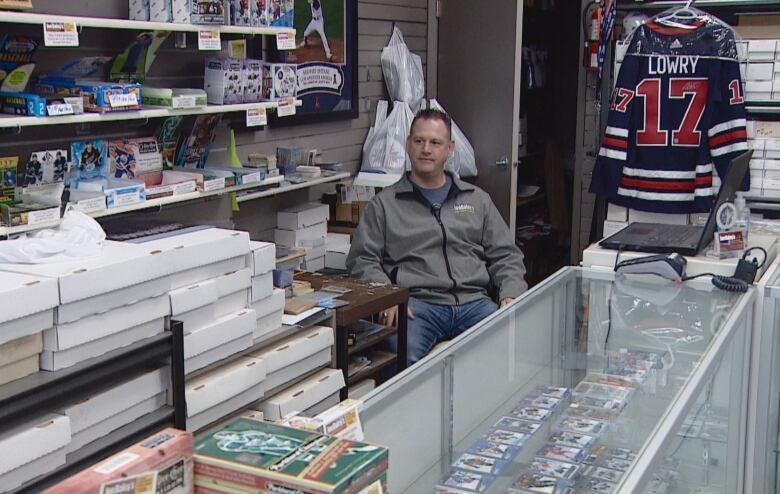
pixel 256 117
pixel 91 205
pixel 183 102
pixel 60 34
pixel 43 216
pixel 286 108
pixel 285 41
pixel 122 100
pixel 209 40
pixel 214 184
pixel 58 109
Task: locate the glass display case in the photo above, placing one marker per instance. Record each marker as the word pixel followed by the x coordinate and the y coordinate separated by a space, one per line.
pixel 587 383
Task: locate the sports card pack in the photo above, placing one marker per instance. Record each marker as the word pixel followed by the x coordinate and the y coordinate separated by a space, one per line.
pixel 43 168
pixel 90 158
pixel 8 175
pixel 134 158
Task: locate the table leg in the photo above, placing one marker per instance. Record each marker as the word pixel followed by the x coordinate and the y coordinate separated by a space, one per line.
pixel 342 357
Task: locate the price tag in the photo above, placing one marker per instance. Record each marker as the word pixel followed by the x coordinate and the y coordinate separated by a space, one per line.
pixel 285 41
pixel 215 184
pixel 184 101
pixel 76 102
pixel 286 107
pixel 256 117
pixel 43 216
pixel 60 34
pixel 58 109
pixel 91 205
pixel 209 40
pixel 122 100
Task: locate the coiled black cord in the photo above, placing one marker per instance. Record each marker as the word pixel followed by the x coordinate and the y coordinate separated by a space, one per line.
pixel 732 283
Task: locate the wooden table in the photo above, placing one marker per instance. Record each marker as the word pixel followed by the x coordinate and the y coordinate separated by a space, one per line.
pixel 365 300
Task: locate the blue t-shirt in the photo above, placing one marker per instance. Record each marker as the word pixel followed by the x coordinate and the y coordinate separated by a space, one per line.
pixel 439 194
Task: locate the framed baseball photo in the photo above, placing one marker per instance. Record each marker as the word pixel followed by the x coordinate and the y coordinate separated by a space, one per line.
pixel 325 61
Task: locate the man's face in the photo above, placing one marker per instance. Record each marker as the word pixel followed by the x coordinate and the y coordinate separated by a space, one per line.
pixel 429 146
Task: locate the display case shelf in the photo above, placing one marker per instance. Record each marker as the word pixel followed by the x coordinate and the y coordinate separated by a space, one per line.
pixel 18 122
pixel 625 5
pixel 112 23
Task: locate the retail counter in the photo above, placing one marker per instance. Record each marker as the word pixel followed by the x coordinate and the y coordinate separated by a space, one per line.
pixel 684 350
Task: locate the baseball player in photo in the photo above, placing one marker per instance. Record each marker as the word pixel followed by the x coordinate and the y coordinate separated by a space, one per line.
pixel 316 24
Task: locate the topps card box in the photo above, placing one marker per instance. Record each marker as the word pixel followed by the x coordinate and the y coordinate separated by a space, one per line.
pixel 280 81
pixel 493 449
pixel 533 481
pixel 480 464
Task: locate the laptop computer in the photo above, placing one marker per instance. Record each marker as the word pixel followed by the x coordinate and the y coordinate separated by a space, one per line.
pixel 684 239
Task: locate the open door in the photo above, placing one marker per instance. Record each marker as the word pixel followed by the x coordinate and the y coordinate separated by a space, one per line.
pixel 479 49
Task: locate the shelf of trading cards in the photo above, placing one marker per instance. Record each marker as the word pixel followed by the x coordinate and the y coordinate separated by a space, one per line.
pixel 584 384
pixel 17 122
pixel 111 23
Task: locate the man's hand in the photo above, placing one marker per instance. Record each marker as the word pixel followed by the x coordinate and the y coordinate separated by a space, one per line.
pixel 389 317
pixel 506 301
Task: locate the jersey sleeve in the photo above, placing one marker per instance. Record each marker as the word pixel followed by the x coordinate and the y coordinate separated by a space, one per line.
pixel 728 132
pixel 613 152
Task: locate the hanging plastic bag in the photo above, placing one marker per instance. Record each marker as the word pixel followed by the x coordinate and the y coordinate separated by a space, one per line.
pixel 78 237
pixel 462 162
pixel 385 148
pixel 403 72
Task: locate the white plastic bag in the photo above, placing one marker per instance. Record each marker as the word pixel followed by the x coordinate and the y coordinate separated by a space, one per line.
pixel 385 148
pixel 78 237
pixel 462 162
pixel 403 72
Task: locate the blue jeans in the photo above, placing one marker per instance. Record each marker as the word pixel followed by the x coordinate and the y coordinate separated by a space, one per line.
pixel 434 323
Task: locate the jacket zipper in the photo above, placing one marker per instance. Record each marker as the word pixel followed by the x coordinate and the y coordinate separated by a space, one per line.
pixel 437 215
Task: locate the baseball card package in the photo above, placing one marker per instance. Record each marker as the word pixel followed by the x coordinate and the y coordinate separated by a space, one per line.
pixel 252 79
pixel 194 150
pixel 616 463
pixel 531 413
pixel 598 486
pixel 573 439
pixel 90 159
pixel 531 481
pixel 545 401
pixel 602 391
pixel 602 473
pixel 517 425
pixel 222 81
pixel 240 12
pixel 555 468
pixel 556 392
pixel 493 449
pixel 480 464
pixel 258 13
pixel 582 425
pixel 207 12
pixel 505 437
pixel 563 453
pixel 280 13
pixel 465 481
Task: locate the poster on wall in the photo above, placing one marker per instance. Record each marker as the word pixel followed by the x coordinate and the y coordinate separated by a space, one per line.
pixel 326 59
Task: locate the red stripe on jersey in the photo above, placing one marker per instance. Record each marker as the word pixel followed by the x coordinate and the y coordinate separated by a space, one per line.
pixel 671 31
pixel 703 181
pixel 734 135
pixel 650 184
pixel 615 142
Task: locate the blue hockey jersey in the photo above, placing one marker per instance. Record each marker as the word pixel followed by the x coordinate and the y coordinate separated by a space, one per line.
pixel 676 115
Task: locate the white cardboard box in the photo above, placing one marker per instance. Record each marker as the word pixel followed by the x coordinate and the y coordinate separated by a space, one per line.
pixel 92 328
pixel 758 71
pixel 112 401
pixel 24 295
pixel 302 215
pixel 216 354
pixel 304 395
pixel 31 470
pixel 263 257
pixel 323 405
pixel 314 265
pixel 647 217
pixel 612 227
pixel 33 440
pixel 314 253
pixel 268 324
pixel 57 360
pixel 19 369
pixel 262 286
pixel 279 379
pixel 617 213
pixel 232 303
pixel 225 408
pixel 96 431
pixel 295 348
pixel 336 257
pixel 337 239
pixel 223 383
pixel 101 303
pixel 223 330
pixel 361 389
pixel 193 297
pixel 25 326
pixel 207 272
pixel 233 282
pixel 269 305
pixel 761 49
pixel 20 348
pixel 120 265
pixel 203 247
pixel 310 236
pixel 197 319
pixel 758 90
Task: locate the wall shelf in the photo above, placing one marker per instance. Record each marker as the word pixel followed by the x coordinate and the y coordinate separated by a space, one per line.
pixel 288 188
pixel 762 109
pixel 111 23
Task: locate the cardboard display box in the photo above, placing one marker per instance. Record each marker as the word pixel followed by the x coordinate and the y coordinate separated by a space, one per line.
pixel 268 324
pixel 232 303
pixel 263 257
pixel 19 349
pixel 31 470
pixel 57 360
pixel 222 331
pixel 19 369
pixel 23 295
pixel 309 236
pixel 222 383
pixel 33 440
pixel 280 379
pixel 202 247
pixel 304 395
pixel 225 408
pixel 193 297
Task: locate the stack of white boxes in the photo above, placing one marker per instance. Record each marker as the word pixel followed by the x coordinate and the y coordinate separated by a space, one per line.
pixel 311 396
pixel 105 302
pixel 211 286
pixel 336 249
pixel 760 69
pixel 33 449
pixel 26 309
pixel 267 301
pixel 764 140
pixel 304 226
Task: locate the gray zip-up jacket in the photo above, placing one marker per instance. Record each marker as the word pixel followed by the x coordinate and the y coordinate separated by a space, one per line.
pixel 447 256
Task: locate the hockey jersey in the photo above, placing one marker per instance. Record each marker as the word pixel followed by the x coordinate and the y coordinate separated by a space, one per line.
pixel 676 115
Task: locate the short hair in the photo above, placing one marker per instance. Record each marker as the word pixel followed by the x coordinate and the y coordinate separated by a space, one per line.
pixel 432 114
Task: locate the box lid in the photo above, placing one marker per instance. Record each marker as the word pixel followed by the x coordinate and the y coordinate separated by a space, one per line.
pixel 234 281
pixel 223 330
pixel 198 248
pixel 263 257
pixel 119 265
pixel 226 381
pixel 33 440
pixel 193 296
pixel 305 394
pixel 302 215
pixel 22 295
pixel 295 348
